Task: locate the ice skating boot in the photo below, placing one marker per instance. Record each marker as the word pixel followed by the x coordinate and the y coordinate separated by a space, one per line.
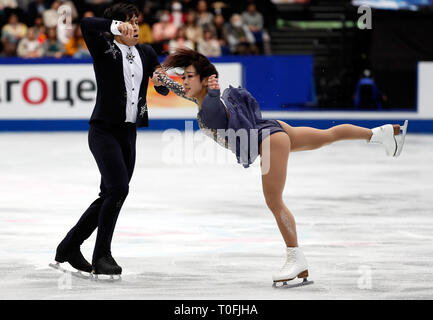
pixel 386 135
pixel 107 266
pixel 74 257
pixel 295 267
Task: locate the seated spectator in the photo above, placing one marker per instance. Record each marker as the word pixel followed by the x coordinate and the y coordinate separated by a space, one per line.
pixel 88 14
pixel 51 16
pixel 180 41
pixel 11 34
pixel 98 6
pixel 209 45
pixel 177 16
pixel 144 30
pixel 220 30
pixel 29 46
pixel 37 7
pixel 204 17
pixel 254 21
pixel 162 32
pixel 40 29
pixel 52 46
pixel 12 4
pixel 76 47
pixel 239 37
pixel 193 32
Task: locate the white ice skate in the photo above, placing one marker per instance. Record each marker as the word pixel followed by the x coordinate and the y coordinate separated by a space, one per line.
pixel 295 267
pixel 386 135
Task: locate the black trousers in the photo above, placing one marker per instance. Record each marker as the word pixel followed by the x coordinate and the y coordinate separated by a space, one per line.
pixel 114 151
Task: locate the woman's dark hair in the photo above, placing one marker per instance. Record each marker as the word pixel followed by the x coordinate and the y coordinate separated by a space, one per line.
pixel 121 11
pixel 184 57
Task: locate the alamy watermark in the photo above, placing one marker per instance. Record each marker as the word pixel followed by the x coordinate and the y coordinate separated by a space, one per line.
pixel 193 147
pixel 65 17
pixel 365 21
pixel 365 280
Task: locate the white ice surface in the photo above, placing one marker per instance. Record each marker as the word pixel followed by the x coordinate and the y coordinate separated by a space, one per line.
pixel 202 231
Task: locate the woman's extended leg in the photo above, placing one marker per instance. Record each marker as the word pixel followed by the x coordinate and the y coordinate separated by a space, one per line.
pixel 306 138
pixel 273 181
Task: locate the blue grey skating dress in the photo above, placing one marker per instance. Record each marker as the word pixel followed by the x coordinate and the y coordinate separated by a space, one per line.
pixel 236 109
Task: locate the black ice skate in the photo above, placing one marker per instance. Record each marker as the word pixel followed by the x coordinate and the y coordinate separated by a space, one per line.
pixel 106 266
pixel 75 258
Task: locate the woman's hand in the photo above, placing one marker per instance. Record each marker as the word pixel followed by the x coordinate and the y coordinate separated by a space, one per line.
pixel 212 82
pixel 155 79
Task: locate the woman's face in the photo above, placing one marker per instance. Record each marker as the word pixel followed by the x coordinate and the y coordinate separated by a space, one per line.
pixel 191 82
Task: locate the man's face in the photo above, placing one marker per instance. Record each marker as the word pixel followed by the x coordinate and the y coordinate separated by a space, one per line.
pixel 128 41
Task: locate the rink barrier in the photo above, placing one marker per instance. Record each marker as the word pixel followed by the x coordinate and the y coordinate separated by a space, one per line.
pixel 415 125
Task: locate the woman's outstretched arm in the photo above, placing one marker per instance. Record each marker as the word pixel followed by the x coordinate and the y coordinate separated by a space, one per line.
pixel 171 84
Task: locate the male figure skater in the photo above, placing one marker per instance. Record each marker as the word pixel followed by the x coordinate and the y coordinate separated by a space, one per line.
pixel 122 69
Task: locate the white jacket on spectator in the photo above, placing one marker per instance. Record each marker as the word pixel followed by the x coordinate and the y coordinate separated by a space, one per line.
pixel 30 48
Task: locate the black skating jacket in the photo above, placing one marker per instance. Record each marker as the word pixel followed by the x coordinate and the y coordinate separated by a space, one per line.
pixel 107 62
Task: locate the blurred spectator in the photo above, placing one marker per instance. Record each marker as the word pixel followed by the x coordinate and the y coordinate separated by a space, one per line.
pixel 367 94
pixel 221 32
pixel 204 17
pixel 163 31
pixel 51 16
pixel 193 32
pixel 188 5
pixel 177 16
pixel 144 30
pixel 76 47
pixel 254 21
pixel 37 7
pixel 209 45
pixel 12 4
pixel 98 6
pixel 88 14
pixel 180 41
pixel 53 47
pixel 11 34
pixel 38 24
pixel 29 46
pixel 239 37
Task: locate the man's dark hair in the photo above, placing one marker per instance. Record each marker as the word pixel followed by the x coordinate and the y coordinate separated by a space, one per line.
pixel 121 11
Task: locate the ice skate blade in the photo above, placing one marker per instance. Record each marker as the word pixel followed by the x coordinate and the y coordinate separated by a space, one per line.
pixel 285 285
pixel 400 143
pixel 77 274
pixel 105 277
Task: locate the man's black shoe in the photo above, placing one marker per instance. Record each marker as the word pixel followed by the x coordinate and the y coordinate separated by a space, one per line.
pixel 74 257
pixel 106 265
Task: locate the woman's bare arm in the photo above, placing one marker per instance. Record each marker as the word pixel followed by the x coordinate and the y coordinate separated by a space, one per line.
pixel 163 79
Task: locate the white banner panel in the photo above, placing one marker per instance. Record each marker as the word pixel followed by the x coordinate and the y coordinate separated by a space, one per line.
pixel 425 88
pixel 68 91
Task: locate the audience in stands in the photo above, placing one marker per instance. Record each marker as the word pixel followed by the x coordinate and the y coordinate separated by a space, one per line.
pixel 214 28
pixel 53 47
pixel 180 41
pixel 209 45
pixel 29 46
pixel 11 34
pixel 239 37
pixel 193 32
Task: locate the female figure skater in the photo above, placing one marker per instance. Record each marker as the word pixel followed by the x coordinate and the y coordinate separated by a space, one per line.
pixel 237 109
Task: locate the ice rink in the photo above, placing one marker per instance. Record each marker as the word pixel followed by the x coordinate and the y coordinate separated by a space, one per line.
pixel 200 229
